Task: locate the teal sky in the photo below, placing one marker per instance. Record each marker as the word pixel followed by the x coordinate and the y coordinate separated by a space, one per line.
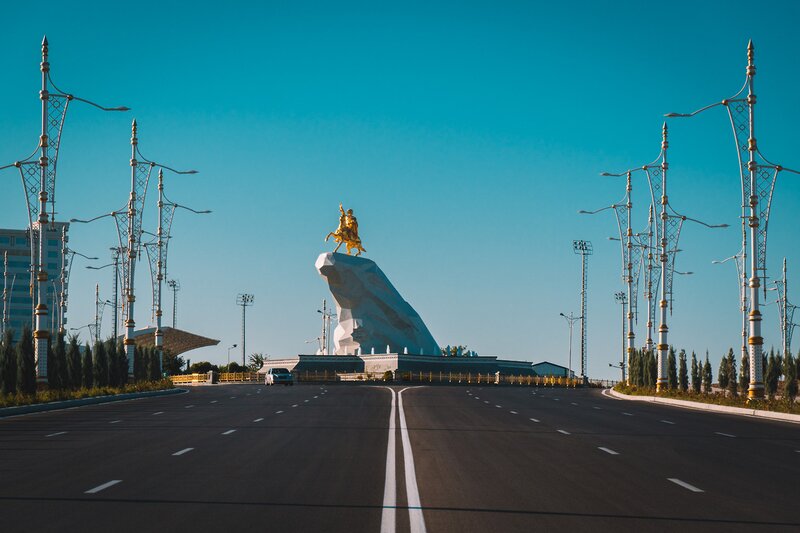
pixel 465 136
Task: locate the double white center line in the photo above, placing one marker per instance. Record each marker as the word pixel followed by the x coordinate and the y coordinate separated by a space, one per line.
pixel 388 517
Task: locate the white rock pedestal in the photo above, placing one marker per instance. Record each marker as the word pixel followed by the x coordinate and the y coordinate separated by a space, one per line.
pixel 372 314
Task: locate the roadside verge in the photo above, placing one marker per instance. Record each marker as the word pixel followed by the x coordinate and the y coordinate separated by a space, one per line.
pixel 66 404
pixel 785 417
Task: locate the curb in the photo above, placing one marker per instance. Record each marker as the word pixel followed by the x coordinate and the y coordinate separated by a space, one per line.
pixel 699 406
pixel 7 412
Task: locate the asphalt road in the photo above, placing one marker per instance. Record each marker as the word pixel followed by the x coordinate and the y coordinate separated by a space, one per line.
pixel 456 459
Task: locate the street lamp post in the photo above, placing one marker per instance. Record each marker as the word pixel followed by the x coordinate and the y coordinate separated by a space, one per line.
pixel 584 249
pixel 39 181
pixel 622 298
pixel 245 300
pixel 325 346
pixel 175 286
pixel 758 177
pixel 571 319
pixel 229 355
pixel 115 252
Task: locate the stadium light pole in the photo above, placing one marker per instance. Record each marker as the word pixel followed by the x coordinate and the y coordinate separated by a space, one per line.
pixel 571 319
pixel 758 177
pixel 245 300
pixel 584 249
pixel 175 286
pixel 39 182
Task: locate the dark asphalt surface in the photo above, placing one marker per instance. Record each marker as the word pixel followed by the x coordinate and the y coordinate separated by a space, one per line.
pixel 313 458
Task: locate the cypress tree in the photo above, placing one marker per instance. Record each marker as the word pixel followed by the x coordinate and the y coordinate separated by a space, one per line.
pixel 695 374
pixel 634 364
pixel 74 363
pixel 723 375
pixel 672 370
pixel 790 382
pixel 772 376
pixel 652 362
pixel 122 361
pixel 683 375
pixel 154 367
pixel 707 377
pixel 100 367
pixel 8 364
pixel 744 373
pixel 113 364
pixel 87 378
pixel 53 372
pixel 139 364
pixel 732 381
pixel 26 365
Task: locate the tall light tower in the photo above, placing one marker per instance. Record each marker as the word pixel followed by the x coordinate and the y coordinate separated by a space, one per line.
pixel 584 249
pixel 785 312
pixel 245 300
pixel 39 181
pixel 758 177
pixel 174 286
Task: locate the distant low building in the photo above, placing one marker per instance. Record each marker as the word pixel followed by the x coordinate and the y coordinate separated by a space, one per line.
pixel 546 368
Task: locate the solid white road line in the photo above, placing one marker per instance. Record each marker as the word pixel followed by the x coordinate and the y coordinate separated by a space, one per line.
pixel 724 434
pixel 685 485
pixel 388 516
pixel 103 486
pixel 183 451
pixel 533 419
pixel 158 413
pixel 668 422
pixel 415 518
pixel 564 432
pixel 228 432
pixel 56 434
pixel 607 450
pixel 258 420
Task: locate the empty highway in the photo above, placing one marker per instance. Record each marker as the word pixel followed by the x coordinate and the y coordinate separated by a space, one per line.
pixel 372 458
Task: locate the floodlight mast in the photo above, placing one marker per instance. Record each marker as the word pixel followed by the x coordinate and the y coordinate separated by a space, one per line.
pixel 584 249
pixel 245 300
pixel 758 177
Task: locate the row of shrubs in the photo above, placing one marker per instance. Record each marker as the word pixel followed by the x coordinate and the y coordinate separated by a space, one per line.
pixel 71 367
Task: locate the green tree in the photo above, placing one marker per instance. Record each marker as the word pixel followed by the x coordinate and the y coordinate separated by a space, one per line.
pixel 8 364
pixel 113 363
pixel 256 362
pixel 790 381
pixel 696 381
pixel 652 364
pixel 100 366
pixel 74 376
pixel 173 364
pixel 53 371
pixel 708 379
pixel 61 355
pixel 26 365
pixel 672 370
pixel 744 373
pixel 88 378
pixel 154 366
pixel 723 375
pixel 122 361
pixel 773 375
pixel 683 374
pixel 732 382
pixel 203 367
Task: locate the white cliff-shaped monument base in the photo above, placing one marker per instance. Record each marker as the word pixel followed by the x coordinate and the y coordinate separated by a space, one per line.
pixel 372 314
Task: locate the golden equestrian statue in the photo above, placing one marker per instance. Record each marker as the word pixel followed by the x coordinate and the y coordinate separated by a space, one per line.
pixel 347 233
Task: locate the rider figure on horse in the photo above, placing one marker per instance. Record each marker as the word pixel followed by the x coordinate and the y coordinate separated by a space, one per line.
pixel 347 232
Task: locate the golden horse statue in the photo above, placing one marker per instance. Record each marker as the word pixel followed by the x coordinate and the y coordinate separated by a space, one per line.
pixel 347 233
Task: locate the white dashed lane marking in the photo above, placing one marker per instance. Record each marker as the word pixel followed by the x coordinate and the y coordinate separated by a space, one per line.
pixel 607 450
pixel 295 405
pixel 533 419
pixel 278 412
pixel 563 432
pixel 685 485
pixel 668 422
pixel 183 451
pixel 513 412
pixel 104 486
pixel 228 432
pixel 115 421
pixel 258 420
pixel 213 401
pixel 188 406
pixel 725 434
pixel 158 413
pixel 628 414
pixel 56 434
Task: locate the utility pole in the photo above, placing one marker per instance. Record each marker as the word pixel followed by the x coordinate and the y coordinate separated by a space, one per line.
pixel 584 249
pixel 245 300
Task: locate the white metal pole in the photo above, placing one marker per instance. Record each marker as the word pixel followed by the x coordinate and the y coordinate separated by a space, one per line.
pixel 631 337
pixel 159 275
pixel 130 324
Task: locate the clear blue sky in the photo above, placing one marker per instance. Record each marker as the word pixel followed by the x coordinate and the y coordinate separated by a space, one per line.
pixel 465 135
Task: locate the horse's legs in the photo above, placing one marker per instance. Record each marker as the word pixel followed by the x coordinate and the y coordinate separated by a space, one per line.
pixel 337 247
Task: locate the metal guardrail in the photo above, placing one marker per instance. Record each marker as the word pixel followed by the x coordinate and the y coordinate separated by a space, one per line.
pixel 188 379
pixel 230 377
